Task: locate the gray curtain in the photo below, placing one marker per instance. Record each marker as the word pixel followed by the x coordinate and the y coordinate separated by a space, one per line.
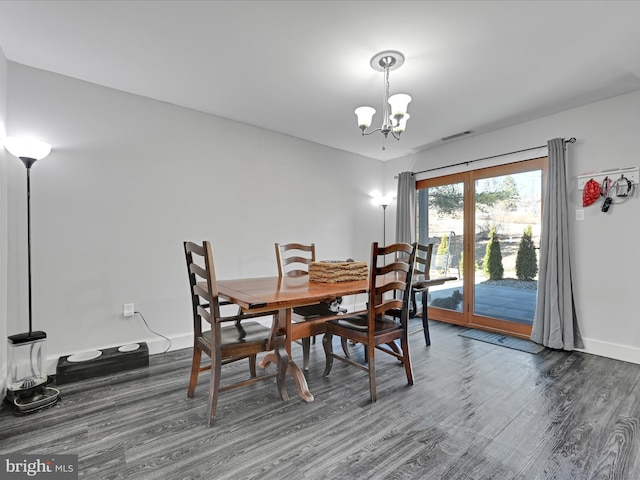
pixel 406 208
pixel 555 324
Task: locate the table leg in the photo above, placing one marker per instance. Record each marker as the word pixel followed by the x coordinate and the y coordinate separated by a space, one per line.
pixel 293 369
pixel 282 356
pixel 268 359
pixel 283 360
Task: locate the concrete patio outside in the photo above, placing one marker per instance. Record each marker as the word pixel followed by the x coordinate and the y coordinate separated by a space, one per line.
pixel 502 302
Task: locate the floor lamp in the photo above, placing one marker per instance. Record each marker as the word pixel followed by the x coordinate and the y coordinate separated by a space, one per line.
pixel 27 387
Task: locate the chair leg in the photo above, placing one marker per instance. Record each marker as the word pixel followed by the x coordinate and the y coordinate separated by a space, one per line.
pixel 214 387
pixel 425 323
pixel 414 305
pixel 195 368
pixel 252 365
pixel 327 343
pixel 406 359
pixel 306 350
pixel 345 347
pixel 372 372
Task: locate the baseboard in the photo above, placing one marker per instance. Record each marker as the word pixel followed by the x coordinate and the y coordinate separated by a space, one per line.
pixel 179 342
pixel 616 351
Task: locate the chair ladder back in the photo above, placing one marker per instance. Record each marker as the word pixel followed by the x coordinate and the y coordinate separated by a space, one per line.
pixel 297 262
pixel 400 286
pixel 204 298
pixel 423 260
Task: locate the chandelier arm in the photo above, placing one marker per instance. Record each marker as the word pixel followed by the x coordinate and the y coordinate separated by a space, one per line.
pixel 372 131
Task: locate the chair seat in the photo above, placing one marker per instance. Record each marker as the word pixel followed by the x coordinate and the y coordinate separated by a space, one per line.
pixel 254 332
pixel 360 323
pixel 317 310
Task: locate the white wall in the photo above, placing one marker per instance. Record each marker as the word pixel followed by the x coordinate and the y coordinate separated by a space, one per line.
pixel 604 247
pixel 130 178
pixel 116 197
pixel 3 226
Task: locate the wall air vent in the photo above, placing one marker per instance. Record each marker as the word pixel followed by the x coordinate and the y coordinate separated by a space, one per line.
pixel 456 135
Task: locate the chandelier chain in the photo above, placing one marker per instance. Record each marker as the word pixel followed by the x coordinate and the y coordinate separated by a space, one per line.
pixel 385 102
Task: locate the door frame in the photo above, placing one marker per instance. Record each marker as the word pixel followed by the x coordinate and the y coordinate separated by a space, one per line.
pixel 467 317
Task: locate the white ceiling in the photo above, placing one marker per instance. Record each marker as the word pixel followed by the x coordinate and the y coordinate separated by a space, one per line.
pixel 302 67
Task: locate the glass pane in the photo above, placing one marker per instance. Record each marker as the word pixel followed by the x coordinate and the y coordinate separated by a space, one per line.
pixel 440 220
pixel 507 234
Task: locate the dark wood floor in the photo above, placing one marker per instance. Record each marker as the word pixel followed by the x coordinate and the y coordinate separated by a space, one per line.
pixel 477 411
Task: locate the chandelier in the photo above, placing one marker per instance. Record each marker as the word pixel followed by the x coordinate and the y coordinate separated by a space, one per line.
pixel 394 108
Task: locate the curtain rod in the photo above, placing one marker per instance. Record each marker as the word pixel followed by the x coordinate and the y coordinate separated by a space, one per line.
pixel 571 140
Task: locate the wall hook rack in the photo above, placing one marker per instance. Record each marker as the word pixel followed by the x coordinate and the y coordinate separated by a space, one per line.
pixel 632 174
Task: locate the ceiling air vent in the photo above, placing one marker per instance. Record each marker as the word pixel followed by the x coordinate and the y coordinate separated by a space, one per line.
pixel 456 135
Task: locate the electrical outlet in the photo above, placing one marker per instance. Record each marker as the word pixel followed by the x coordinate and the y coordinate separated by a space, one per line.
pixel 128 310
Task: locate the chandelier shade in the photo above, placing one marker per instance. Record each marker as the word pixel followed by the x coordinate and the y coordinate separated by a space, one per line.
pixel 399 104
pixel 365 116
pixel 394 107
pixel 402 124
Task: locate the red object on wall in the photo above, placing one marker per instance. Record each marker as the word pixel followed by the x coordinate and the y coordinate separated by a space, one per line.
pixel 591 193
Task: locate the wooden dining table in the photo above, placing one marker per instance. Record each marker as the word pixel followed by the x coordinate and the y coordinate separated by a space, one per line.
pixel 267 294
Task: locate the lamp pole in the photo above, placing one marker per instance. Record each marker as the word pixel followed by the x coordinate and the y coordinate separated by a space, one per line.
pixel 28 162
pixel 29 151
pixel 384 223
pixel 383 201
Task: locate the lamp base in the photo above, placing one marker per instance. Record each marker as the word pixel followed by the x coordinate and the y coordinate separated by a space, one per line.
pixel 32 400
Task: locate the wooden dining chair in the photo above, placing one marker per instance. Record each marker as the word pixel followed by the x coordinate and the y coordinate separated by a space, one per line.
pixel 293 260
pixel 391 274
pixel 228 338
pixel 420 284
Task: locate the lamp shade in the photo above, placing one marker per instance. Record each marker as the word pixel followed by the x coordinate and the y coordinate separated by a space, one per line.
pixel 365 115
pixel 402 124
pixel 383 200
pixel 399 103
pixel 27 148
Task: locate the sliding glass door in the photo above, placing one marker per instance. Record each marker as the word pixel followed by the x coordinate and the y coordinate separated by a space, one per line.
pixel 441 220
pixel 485 225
